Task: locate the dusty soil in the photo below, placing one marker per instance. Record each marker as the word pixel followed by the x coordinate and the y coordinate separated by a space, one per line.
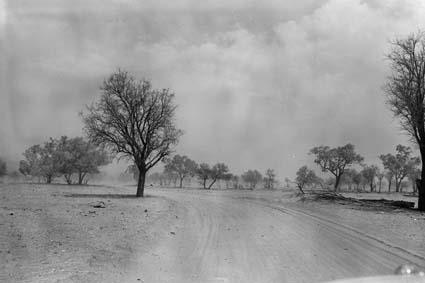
pixel 226 236
pixel 55 234
pixel 398 227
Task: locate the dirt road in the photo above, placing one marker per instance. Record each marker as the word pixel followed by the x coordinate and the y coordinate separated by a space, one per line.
pixel 225 237
pixel 54 233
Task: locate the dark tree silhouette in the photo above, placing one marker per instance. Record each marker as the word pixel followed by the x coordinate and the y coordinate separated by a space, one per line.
pixel 204 173
pixel 80 157
pixel 183 166
pixel 369 174
pixel 134 121
pixel 405 90
pixel 218 172
pixel 400 164
pixel 269 179
pixel 305 177
pixel 380 175
pixel 336 160
pixel 252 177
pixel 41 161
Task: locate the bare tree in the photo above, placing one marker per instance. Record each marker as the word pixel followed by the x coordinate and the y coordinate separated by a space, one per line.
pixel 41 161
pixel 399 164
pixel 134 121
pixel 405 91
pixel 269 179
pixel 357 178
pixel 380 175
pixel 182 166
pixel 369 174
pixel 218 172
pixel 252 177
pixel 389 176
pixel 336 160
pixel 78 156
pixel 305 177
pixel 204 173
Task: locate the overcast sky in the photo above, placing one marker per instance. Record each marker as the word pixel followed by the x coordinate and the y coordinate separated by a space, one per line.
pixel 258 83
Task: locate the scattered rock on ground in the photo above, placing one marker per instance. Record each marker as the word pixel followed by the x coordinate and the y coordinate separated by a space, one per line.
pixel 99 204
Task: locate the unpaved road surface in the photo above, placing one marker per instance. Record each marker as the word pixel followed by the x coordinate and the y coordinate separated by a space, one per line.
pixel 228 237
pixel 54 233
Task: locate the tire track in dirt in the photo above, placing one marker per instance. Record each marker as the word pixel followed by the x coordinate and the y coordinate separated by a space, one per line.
pixel 223 238
pixel 346 231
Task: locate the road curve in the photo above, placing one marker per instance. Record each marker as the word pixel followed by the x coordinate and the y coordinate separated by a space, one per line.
pixel 218 237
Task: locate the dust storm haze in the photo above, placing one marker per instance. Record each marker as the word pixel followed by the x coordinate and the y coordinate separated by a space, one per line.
pixel 257 83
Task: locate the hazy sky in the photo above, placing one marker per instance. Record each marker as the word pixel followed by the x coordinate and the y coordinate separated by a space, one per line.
pixel 258 83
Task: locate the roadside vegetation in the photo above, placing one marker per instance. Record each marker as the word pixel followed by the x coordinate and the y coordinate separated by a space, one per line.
pixel 347 172
pixel 74 159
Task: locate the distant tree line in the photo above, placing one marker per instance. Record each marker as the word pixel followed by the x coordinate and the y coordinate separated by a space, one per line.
pixel 340 162
pixel 181 168
pixel 72 158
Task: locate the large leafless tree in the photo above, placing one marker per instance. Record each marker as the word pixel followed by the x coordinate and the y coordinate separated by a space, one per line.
pixel 405 90
pixel 133 120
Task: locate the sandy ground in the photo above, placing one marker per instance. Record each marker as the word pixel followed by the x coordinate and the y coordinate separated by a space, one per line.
pixel 196 236
pixel 54 234
pixel 255 237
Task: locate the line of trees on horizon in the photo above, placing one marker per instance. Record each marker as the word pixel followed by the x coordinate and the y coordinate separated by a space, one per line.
pixel 181 168
pixel 341 162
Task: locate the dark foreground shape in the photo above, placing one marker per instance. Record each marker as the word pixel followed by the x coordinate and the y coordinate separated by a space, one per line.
pixel 371 203
pixel 117 196
pixel 395 203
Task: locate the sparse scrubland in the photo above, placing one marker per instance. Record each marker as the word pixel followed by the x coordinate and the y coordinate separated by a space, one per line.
pixel 252 229
pixel 60 233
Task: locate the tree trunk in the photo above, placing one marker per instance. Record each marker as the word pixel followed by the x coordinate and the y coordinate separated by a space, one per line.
pixel 421 188
pixel 81 176
pixel 212 183
pixel 397 186
pixel 181 182
pixel 336 186
pixel 68 178
pixel 48 179
pixel 301 189
pixel 416 184
pixel 141 183
pixel 389 186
